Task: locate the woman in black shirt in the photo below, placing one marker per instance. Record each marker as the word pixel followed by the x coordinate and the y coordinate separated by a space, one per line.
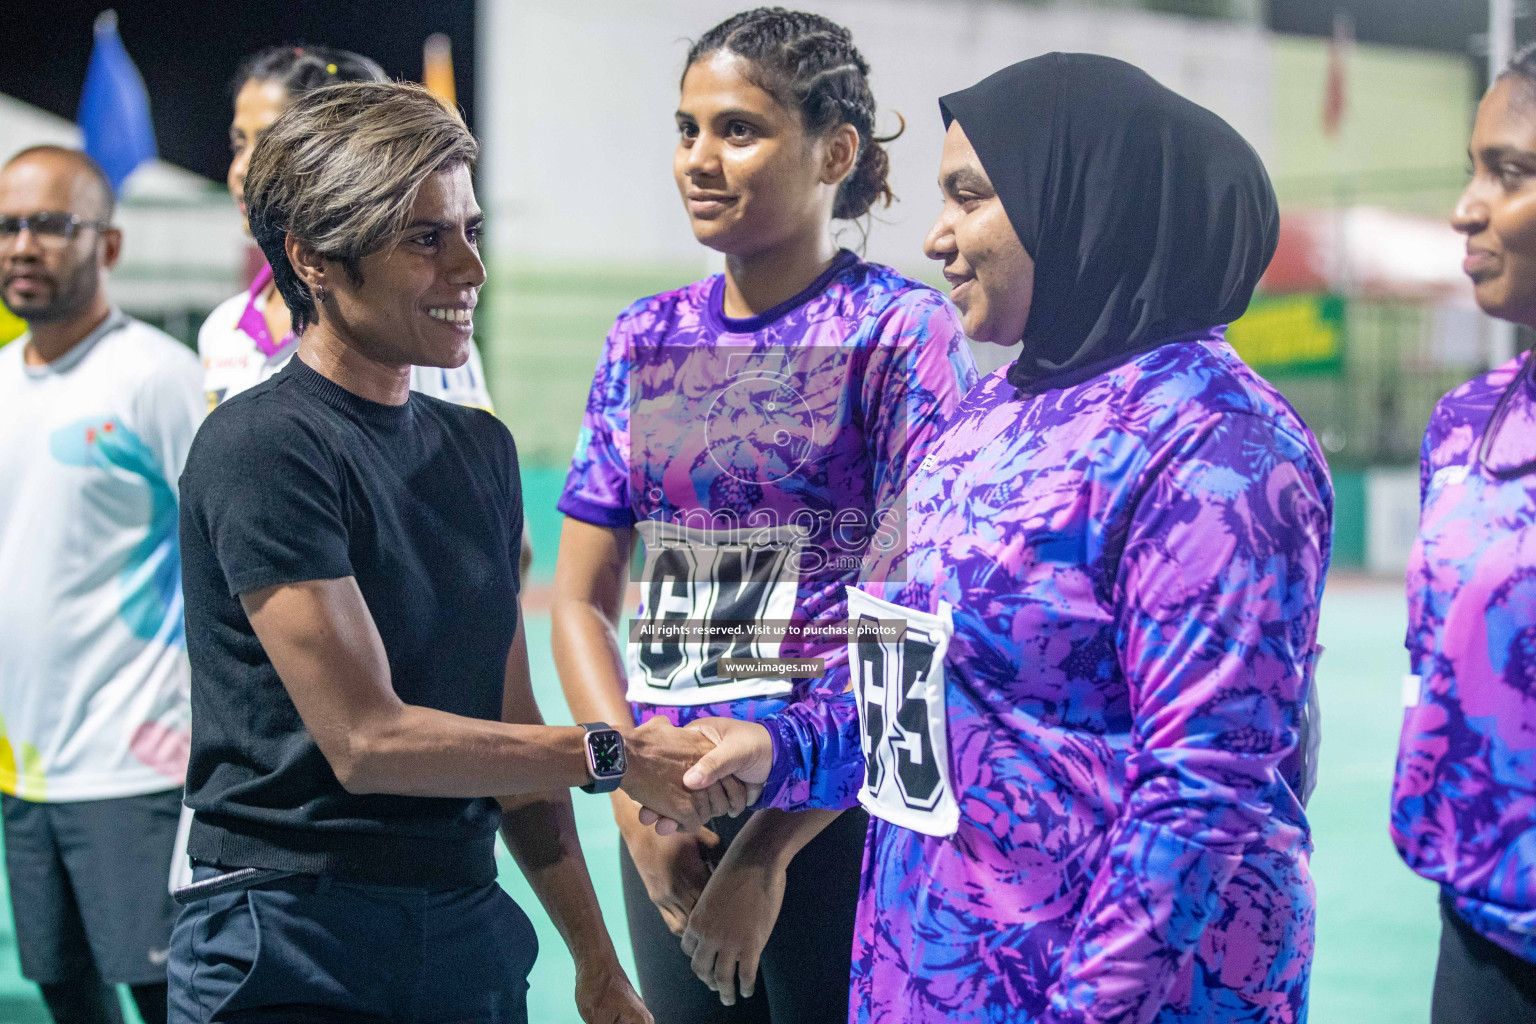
pixel 363 717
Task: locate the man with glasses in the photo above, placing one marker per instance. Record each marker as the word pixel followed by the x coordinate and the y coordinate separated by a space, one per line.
pixel 97 411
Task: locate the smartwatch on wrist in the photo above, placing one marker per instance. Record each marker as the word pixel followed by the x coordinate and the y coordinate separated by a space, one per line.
pixel 605 757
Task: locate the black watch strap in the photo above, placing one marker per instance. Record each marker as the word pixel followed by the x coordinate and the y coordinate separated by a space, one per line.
pixel 606 784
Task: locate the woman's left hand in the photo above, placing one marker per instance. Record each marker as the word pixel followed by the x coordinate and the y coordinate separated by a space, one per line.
pixel 605 996
pixel 731 923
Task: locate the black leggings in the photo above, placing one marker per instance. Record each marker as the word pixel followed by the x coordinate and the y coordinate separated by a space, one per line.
pixel 805 966
pixel 1478 981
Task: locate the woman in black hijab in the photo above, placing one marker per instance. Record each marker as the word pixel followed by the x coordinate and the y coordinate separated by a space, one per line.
pixel 1115 551
pixel 1146 216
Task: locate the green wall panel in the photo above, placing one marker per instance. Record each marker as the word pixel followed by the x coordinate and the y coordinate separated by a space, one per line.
pixel 1348 519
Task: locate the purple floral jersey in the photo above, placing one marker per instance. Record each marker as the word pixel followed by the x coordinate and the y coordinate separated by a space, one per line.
pixel 1129 571
pixel 1464 796
pixel 762 460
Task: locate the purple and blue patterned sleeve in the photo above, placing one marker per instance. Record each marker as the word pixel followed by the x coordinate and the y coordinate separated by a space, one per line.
pixel 922 371
pixel 817 757
pixel 1426 455
pixel 928 371
pixel 597 486
pixel 1217 597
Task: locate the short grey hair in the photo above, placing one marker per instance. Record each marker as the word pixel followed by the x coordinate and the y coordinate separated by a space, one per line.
pixel 340 169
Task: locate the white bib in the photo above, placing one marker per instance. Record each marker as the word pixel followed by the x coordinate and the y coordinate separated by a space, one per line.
pixel 702 577
pixel 898 680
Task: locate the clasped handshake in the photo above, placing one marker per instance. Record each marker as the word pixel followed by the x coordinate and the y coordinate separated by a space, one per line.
pixel 684 777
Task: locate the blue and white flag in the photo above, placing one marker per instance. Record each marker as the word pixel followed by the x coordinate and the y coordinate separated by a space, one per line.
pixel 114 106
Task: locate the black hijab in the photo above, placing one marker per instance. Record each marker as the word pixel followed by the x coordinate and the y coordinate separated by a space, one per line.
pixel 1147 216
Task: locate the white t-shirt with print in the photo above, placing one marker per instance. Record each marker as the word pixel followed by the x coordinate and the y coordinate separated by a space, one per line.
pixel 93 662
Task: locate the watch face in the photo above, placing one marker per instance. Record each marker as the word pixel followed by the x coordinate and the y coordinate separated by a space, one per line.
pixel 607 750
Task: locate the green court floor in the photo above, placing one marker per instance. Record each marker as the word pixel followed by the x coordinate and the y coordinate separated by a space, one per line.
pixel 1377 923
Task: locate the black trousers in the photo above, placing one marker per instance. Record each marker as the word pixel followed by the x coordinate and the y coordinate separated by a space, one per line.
pixel 803 974
pixel 1477 981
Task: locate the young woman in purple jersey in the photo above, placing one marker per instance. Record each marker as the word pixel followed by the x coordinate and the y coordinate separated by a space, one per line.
pixel 1464 798
pixel 1081 757
pixel 756 429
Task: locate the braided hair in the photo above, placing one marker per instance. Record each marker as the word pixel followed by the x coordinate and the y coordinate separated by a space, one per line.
pixel 299 69
pixel 809 63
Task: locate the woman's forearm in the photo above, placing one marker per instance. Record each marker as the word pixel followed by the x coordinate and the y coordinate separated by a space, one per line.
pixel 325 646
pixel 416 751
pixel 589 664
pixel 421 752
pixel 590 575
pixel 540 831
pixel 776 837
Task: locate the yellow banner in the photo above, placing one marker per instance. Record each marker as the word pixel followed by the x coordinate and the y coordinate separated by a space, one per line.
pixel 11 326
pixel 1291 333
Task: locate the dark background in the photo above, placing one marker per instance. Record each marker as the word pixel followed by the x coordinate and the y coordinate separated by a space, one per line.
pixel 187 50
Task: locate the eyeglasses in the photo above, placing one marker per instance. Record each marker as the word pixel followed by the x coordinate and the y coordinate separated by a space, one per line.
pixel 52 229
